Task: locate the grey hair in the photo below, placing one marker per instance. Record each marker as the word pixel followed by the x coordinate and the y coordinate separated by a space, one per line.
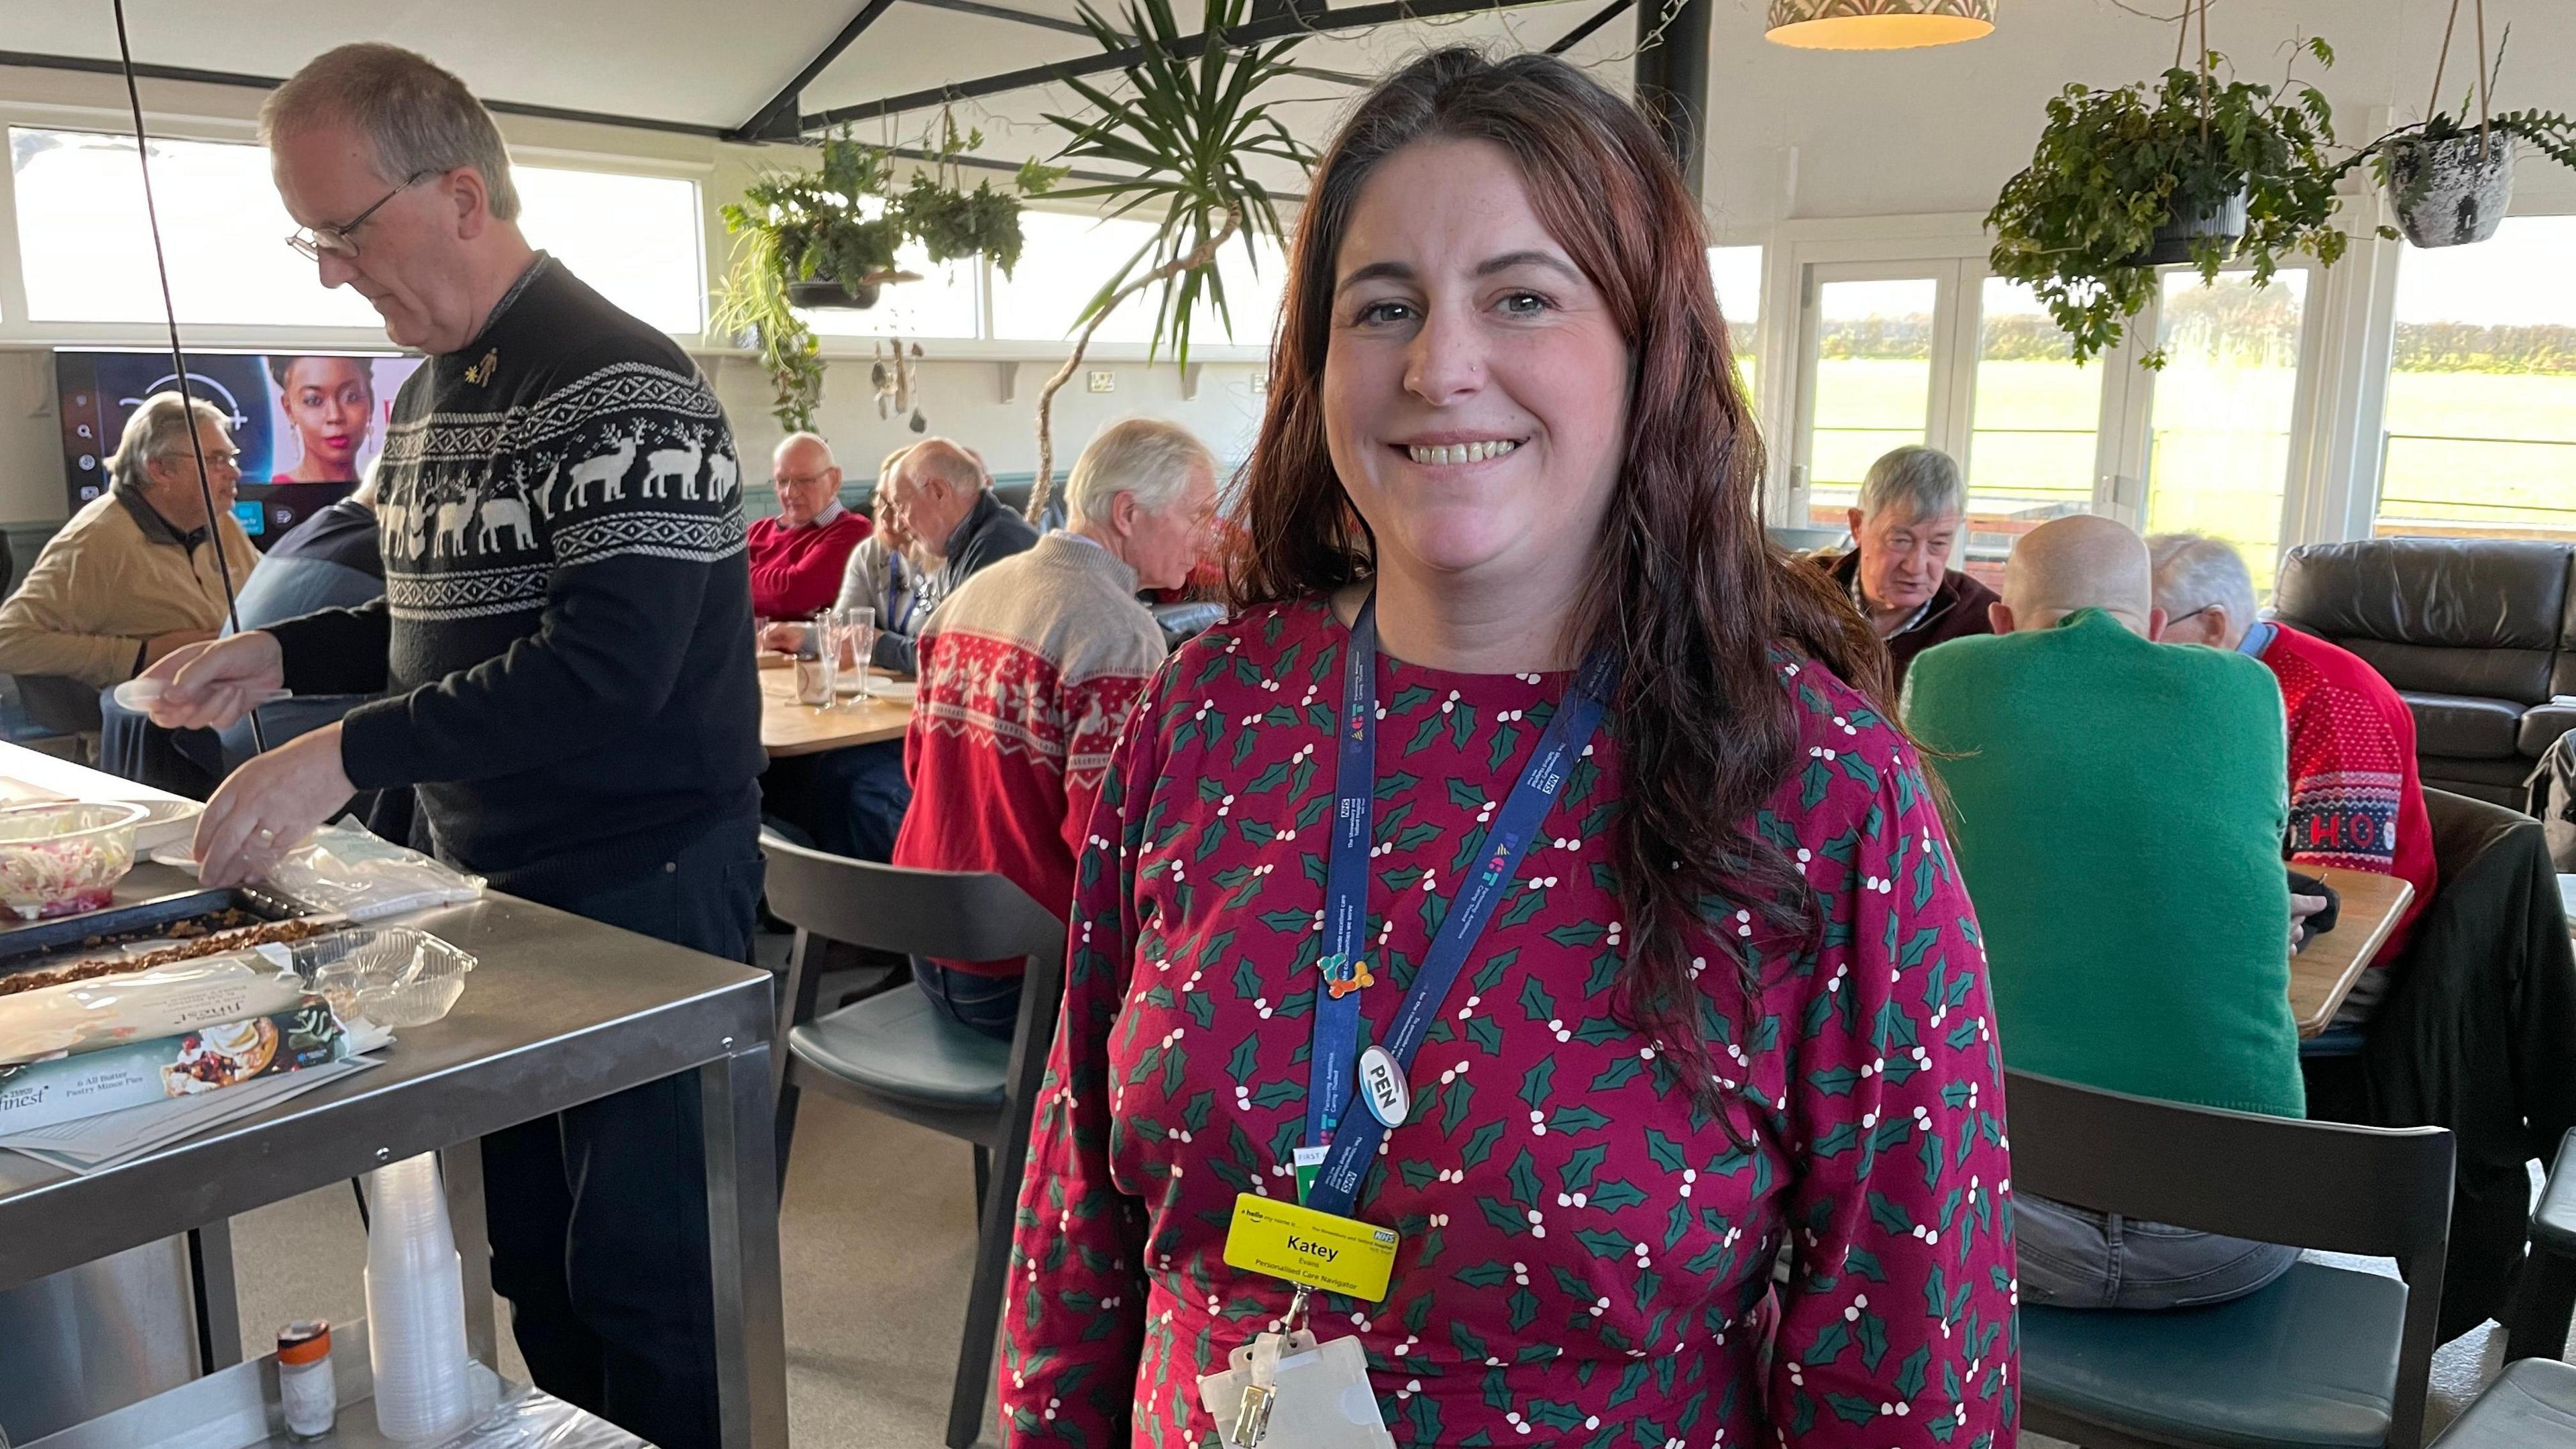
pixel 416 117
pixel 2194 571
pixel 1152 459
pixel 809 436
pixel 158 428
pixel 1925 478
pixel 952 461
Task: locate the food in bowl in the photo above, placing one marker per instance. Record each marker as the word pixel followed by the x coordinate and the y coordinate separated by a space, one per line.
pixel 59 858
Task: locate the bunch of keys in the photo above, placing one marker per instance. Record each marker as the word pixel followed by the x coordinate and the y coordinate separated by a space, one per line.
pixel 1287 1390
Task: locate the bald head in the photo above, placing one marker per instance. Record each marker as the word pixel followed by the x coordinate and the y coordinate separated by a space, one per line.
pixel 2075 563
pixel 806 478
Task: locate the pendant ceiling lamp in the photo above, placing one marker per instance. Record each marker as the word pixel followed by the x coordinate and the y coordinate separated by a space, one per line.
pixel 1878 24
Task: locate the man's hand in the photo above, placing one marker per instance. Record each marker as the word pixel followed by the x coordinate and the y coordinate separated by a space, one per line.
pixel 159 646
pixel 2302 907
pixel 784 638
pixel 208 686
pixel 269 806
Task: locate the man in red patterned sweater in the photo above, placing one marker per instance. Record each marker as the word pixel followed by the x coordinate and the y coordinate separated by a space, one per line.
pixel 2355 798
pixel 1028 672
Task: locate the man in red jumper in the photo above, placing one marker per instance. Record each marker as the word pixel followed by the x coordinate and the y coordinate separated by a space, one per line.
pixel 1028 672
pixel 2355 799
pixel 797 557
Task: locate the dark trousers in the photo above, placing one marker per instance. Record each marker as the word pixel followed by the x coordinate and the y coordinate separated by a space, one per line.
pixel 599 1214
pixel 986 1004
pixel 849 801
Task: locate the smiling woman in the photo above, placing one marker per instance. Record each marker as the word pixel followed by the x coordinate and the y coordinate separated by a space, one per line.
pixel 1517 693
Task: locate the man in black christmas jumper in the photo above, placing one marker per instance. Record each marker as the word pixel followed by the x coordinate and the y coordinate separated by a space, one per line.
pixel 566 681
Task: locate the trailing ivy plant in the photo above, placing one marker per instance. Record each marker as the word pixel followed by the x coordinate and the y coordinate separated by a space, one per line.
pixel 2114 165
pixel 844 222
pixel 1184 126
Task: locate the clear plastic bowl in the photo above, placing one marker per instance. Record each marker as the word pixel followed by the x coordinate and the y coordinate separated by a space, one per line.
pixel 393 976
pixel 59 857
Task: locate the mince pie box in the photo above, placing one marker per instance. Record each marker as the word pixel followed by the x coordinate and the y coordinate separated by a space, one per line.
pixel 62 1089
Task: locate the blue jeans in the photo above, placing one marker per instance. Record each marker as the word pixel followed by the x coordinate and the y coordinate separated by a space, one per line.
pixel 599 1214
pixel 2072 1258
pixel 986 1004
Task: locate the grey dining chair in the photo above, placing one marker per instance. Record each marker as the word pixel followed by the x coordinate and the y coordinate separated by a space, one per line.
pixel 2323 1356
pixel 2532 1405
pixel 891 1053
pixel 2544 1293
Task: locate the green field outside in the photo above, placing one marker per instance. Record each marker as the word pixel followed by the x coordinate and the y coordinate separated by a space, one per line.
pixel 2221 448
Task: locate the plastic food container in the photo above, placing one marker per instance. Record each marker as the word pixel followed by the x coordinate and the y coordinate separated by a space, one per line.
pixel 58 858
pixel 392 976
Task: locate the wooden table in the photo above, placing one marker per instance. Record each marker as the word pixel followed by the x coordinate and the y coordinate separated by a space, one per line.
pixel 2323 975
pixel 788 728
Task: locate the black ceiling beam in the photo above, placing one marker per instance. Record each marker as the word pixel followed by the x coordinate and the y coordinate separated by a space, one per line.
pixel 94 65
pixel 1277 26
pixel 776 121
pixel 1583 32
pixel 1070 27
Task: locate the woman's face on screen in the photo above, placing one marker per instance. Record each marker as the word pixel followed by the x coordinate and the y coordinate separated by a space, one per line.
pixel 331 402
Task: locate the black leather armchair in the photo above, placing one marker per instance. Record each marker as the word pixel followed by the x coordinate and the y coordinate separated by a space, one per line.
pixel 2477 634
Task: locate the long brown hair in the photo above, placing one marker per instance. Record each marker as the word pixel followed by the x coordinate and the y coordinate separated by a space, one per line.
pixel 1684 584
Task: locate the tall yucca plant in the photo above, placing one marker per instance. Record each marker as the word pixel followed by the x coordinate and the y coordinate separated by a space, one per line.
pixel 1186 128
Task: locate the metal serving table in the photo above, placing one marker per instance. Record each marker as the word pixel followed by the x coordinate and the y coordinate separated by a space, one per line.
pixel 559 1011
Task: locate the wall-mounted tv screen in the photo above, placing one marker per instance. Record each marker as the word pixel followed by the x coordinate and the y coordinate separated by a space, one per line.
pixel 307 424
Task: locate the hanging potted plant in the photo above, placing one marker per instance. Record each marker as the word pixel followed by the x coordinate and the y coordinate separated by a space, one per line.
pixel 2191 170
pixel 1185 126
pixel 2450 183
pixel 828 238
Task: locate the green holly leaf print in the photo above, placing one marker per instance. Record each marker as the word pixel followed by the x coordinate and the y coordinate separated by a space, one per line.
pixel 1930 1153
pixel 1618 1074
pixel 1842 1137
pixel 1576 1118
pixel 1677 1225
pixel 1506 739
pixel 1576 1174
pixel 1483 1275
pixel 1502 1217
pixel 1604 973
pixel 1667 1153
pixel 1890 1214
pixel 1578 934
pixel 1524 1180
pixel 1526 902
pixel 1598 1029
pixel 1606 1243
pixel 1481 1145
pixel 1423 1412
pixel 1631 1379
pixel 1462 722
pixel 1424 734
pixel 1924 877
pixel 1454 1107
pixel 1408 699
pixel 1871 1333
pixel 1471 1345
pixel 1486 1033
pixel 1835 1081
pixel 1278 1094
pixel 1851 1408
pixel 1524 1308
pixel 1813 782
pixel 1864 1263
pixel 1616 1193
pixel 1828 1346
pixel 1417 1175
pixel 1909 1374
pixel 1860 770
pixel 1537 1003
pixel 1555 1415
pixel 1534 1084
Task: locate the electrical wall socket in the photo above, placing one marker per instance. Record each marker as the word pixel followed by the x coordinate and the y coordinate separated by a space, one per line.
pixel 1104 381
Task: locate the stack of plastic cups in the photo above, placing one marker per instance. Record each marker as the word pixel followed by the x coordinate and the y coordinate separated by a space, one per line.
pixel 415 1306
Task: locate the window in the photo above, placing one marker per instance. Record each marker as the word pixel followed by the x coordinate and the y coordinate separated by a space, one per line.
pixel 1737 273
pixel 86 252
pixel 2220 418
pixel 1064 260
pixel 2480 429
pixel 1873 382
pixel 1255 285
pixel 634 238
pixel 941 304
pixel 2035 416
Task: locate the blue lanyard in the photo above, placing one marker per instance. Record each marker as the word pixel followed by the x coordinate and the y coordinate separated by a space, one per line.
pixel 1337 1018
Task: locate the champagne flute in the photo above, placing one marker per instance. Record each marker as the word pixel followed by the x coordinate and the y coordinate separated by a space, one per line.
pixel 854 638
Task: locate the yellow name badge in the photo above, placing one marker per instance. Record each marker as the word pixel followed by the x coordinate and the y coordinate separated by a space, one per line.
pixel 1302 1245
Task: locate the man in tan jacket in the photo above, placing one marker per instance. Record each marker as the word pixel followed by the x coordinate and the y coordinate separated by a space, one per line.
pixel 130 578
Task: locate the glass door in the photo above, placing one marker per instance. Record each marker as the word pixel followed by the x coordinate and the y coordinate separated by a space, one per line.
pixel 2035 425
pixel 2224 409
pixel 1868 343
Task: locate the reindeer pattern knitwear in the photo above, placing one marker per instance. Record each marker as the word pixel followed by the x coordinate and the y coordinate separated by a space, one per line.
pixel 1586 1258
pixel 564 633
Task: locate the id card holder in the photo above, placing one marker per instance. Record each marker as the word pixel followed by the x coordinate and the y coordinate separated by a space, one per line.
pixel 1319 1397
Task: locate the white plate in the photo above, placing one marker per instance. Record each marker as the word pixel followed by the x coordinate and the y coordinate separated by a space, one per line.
pixel 903 689
pixel 170 823
pixel 139 695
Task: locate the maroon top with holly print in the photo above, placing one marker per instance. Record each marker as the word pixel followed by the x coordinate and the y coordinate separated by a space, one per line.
pixel 1585 1260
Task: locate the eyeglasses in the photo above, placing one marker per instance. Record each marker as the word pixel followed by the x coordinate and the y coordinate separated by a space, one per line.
pixel 795 480
pixel 341 241
pixel 2194 614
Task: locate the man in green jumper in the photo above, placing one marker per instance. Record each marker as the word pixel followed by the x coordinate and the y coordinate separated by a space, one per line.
pixel 2119 809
